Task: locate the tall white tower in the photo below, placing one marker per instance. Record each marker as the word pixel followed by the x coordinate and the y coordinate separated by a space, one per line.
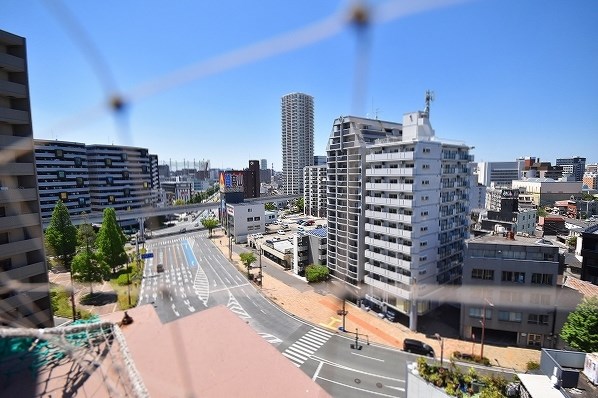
pixel 297 125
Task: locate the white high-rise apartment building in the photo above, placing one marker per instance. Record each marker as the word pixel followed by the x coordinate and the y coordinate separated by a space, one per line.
pixel 314 192
pixel 407 239
pixel 297 139
pixel 345 213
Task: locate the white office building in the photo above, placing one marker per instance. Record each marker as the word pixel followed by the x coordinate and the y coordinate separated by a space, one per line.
pixel 297 139
pixel 499 173
pixel 243 219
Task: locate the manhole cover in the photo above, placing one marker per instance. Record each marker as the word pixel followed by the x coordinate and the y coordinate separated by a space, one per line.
pixel 357 381
pixel 379 385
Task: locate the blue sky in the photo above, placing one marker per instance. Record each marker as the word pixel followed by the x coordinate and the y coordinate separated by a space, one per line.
pixel 511 77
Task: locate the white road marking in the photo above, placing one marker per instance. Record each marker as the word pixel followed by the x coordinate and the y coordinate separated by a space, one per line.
pixel 365 356
pixel 356 388
pixel 317 371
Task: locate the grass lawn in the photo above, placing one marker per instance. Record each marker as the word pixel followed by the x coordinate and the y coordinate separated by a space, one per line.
pixel 61 303
pixel 127 289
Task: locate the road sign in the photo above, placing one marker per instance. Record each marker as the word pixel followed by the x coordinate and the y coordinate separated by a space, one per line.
pixel 147 255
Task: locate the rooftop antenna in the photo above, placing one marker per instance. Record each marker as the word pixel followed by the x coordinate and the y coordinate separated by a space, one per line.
pixel 429 99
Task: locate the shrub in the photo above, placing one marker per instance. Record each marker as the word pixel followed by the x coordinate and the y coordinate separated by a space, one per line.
pixel 123 280
pixel 316 273
pixel 532 365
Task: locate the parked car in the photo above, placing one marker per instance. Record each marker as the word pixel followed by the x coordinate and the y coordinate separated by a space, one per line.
pixel 417 347
pixel 280 232
pixel 159 268
pixel 183 230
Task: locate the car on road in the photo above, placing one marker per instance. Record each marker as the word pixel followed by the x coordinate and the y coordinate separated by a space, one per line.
pixel 417 347
pixel 280 232
pixel 159 268
pixel 183 230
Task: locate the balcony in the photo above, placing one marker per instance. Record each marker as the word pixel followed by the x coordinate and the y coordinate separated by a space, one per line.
pixel 388 274
pixel 389 201
pixel 395 247
pixel 11 63
pixel 385 187
pixel 22 246
pixel 17 169
pixel 13 116
pixel 387 288
pixel 383 172
pixel 11 142
pixel 382 157
pixel 21 273
pixel 17 195
pixel 11 89
pixel 379 215
pixel 19 221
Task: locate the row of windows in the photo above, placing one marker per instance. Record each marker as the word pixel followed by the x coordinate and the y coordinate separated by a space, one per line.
pixel 510 316
pixel 253 219
pixel 512 276
pixel 514 254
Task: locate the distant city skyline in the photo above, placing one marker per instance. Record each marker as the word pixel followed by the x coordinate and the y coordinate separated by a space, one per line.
pixel 512 78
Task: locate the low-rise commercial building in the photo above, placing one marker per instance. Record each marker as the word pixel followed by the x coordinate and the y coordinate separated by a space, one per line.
pixel 243 219
pixel 510 291
pixel 546 191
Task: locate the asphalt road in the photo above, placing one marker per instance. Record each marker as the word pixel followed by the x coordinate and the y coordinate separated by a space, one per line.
pixel 197 276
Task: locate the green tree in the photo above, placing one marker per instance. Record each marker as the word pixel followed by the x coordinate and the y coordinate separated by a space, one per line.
pixel 178 202
pixel 270 206
pixel 61 235
pixel 300 203
pixel 210 223
pixel 111 241
pixel 316 273
pixel 542 212
pixel 247 258
pixel 580 331
pixel 88 267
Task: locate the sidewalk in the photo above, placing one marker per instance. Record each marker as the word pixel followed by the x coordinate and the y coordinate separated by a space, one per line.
pixel 322 310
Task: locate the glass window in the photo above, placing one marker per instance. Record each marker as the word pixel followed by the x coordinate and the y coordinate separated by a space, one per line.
pixel 78 161
pixel 59 154
pixel 476 312
pixel 480 273
pixel 542 279
pixel 64 196
pixel 509 316
pixel 108 162
pixel 79 181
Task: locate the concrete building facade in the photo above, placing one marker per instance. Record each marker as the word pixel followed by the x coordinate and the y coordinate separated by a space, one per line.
pixel 510 289
pixel 314 191
pixel 575 166
pixel 62 174
pixel 243 219
pixel 546 191
pixel 416 217
pixel 346 152
pixel 297 139
pixel 119 177
pixel 24 288
pixel 499 173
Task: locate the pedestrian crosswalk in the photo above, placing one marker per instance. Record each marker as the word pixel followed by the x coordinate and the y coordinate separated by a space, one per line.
pixel 301 350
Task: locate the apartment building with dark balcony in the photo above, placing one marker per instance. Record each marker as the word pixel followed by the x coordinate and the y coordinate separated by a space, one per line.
pixel 24 289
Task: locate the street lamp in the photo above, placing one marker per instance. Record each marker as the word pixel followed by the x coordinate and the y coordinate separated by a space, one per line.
pixel 441 340
pixel 484 326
